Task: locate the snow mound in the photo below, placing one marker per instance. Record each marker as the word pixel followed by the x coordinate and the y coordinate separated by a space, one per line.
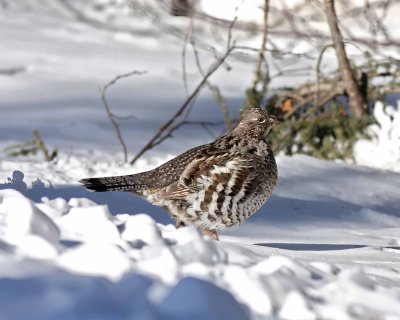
pixel 74 260
pixel 383 150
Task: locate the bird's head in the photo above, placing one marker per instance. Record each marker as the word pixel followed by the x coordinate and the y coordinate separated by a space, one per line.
pixel 256 122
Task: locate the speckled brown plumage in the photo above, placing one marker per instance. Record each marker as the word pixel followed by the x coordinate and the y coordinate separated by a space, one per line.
pixel 213 186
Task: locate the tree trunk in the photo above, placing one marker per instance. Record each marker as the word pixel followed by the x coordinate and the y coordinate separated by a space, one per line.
pixel 357 102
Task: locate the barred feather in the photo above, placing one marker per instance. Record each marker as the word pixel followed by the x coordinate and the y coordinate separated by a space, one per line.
pixel 118 183
pixel 213 186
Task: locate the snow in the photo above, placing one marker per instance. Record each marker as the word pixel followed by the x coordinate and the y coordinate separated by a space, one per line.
pixel 382 150
pixel 330 248
pixel 325 246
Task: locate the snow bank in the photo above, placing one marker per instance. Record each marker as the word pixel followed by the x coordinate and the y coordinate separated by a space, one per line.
pixel 74 260
pixel 383 150
pixel 26 227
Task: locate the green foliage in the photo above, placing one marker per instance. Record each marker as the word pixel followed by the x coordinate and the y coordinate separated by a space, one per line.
pixel 327 135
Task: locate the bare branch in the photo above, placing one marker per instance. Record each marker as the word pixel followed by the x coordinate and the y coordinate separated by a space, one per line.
pixel 42 147
pixel 256 93
pixel 188 35
pixel 357 102
pixel 261 59
pixel 214 89
pixel 110 114
pixel 173 128
pixel 318 67
pixel 158 137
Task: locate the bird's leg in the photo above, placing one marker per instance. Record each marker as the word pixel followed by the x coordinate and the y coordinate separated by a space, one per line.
pixel 179 224
pixel 212 234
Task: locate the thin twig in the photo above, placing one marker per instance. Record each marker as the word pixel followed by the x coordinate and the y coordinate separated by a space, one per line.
pixel 188 35
pixel 111 115
pixel 332 87
pixel 318 70
pixel 214 90
pixel 158 135
pixel 40 144
pixel 214 67
pixel 184 122
pixel 277 52
pixel 261 59
pixel 256 93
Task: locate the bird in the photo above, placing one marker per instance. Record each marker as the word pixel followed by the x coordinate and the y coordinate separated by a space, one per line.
pixel 213 186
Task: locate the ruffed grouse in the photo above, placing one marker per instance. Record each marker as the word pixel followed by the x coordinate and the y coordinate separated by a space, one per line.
pixel 213 186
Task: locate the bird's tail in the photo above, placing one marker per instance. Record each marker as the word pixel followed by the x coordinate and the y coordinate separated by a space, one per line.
pixel 118 183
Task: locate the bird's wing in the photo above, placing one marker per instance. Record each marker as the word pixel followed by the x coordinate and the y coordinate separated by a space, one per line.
pixel 219 172
pixel 172 169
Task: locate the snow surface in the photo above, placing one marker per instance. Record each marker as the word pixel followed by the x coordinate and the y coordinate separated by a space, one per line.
pixel 382 150
pixel 325 246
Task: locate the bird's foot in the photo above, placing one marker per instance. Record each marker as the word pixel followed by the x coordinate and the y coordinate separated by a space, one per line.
pixel 179 224
pixel 212 234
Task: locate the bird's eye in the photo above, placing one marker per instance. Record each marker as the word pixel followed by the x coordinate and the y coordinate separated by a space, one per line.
pixel 261 120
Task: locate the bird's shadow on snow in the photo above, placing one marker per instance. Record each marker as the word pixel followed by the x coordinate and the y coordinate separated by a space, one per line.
pixel 277 213
pixel 283 217
pixel 117 202
pixel 310 246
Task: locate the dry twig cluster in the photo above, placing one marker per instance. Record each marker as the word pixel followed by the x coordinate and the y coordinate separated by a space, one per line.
pixel 302 103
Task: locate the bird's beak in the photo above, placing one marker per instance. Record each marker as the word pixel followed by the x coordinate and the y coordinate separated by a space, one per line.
pixel 276 120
